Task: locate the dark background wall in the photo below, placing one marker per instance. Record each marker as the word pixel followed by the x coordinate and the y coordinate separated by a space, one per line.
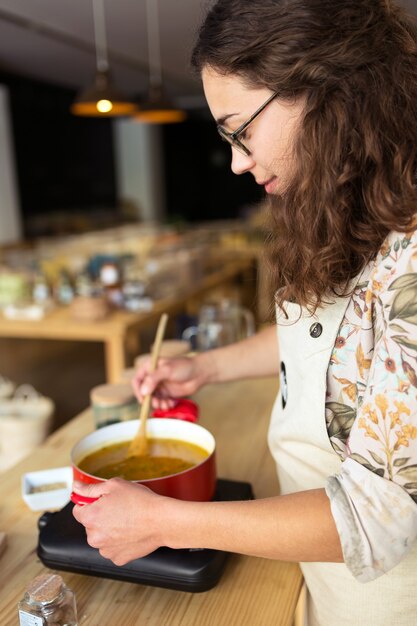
pixel 198 174
pixel 63 163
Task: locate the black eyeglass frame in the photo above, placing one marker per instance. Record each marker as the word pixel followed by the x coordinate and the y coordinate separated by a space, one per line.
pixel 232 138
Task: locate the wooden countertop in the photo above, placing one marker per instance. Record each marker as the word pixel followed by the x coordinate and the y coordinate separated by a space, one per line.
pixel 252 591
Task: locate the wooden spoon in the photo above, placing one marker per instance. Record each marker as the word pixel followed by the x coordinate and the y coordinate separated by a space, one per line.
pixel 139 445
pixel 3 542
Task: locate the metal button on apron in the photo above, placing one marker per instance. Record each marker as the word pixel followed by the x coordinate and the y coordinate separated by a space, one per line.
pixel 315 330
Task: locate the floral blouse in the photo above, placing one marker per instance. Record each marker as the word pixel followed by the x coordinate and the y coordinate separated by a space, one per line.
pixel 371 413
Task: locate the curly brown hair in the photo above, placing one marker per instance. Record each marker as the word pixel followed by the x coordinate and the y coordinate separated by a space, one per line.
pixel 355 62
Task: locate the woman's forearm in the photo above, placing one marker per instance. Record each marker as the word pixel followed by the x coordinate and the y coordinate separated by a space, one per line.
pixel 296 527
pixel 129 521
pixel 254 357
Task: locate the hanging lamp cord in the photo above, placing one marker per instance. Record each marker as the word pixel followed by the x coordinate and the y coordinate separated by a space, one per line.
pixel 100 35
pixel 154 48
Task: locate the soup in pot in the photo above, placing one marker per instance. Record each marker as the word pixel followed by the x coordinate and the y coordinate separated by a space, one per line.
pixel 166 457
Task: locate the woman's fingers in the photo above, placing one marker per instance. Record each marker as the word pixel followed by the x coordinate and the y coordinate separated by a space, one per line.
pixel 145 382
pixel 172 379
pixel 90 490
pixel 119 524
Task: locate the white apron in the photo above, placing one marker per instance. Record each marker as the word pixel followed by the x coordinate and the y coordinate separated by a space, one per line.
pixel 300 445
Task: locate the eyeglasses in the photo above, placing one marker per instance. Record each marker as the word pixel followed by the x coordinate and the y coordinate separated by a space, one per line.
pixel 233 138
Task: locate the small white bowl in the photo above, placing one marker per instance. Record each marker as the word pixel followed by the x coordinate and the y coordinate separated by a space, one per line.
pixel 48 498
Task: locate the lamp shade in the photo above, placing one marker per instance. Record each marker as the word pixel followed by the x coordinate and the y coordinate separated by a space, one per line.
pixel 158 109
pixel 102 100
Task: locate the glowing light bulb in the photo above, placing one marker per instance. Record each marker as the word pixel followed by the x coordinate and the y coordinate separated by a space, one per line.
pixel 104 106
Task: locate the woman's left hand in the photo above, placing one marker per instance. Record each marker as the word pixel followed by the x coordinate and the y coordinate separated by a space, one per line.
pixel 124 523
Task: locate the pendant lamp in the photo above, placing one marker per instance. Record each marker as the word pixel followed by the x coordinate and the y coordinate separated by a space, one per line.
pixel 157 109
pixel 101 99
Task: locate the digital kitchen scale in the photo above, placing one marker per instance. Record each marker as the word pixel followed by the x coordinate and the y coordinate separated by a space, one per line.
pixel 62 545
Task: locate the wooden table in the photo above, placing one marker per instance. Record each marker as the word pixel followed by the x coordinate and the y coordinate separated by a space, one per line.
pixel 252 591
pixel 121 326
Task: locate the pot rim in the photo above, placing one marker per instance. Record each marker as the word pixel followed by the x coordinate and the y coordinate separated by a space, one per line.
pixel 160 421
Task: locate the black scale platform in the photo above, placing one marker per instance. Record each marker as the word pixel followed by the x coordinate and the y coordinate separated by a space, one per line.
pixel 62 545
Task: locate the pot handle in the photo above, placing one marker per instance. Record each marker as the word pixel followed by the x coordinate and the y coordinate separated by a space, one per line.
pixel 76 498
pixel 184 410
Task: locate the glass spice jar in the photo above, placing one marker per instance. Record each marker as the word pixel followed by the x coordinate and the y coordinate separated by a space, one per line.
pixel 112 404
pixel 48 602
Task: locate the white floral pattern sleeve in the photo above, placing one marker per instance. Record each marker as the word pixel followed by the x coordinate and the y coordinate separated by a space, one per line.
pixel 371 413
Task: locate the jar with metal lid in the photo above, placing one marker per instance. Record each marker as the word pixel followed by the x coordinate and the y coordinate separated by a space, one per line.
pixel 112 404
pixel 48 602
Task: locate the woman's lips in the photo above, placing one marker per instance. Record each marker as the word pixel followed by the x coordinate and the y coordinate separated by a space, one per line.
pixel 269 185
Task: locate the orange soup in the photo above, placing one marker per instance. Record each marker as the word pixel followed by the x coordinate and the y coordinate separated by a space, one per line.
pixel 166 457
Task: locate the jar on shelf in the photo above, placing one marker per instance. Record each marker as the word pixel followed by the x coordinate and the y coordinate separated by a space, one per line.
pixel 111 281
pixel 64 290
pixel 41 289
pixel 48 602
pixel 113 403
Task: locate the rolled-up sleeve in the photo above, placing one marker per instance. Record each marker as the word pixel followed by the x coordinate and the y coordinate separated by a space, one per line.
pixel 376 520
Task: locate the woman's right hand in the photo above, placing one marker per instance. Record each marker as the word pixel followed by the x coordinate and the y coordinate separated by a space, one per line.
pixel 173 378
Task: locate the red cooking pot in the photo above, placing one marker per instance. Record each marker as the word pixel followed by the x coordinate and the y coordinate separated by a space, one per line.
pixel 198 483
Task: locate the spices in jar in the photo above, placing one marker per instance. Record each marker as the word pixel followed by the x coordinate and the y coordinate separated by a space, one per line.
pixel 48 602
pixel 113 403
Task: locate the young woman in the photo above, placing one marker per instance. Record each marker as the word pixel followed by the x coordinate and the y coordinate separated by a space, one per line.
pixel 318 101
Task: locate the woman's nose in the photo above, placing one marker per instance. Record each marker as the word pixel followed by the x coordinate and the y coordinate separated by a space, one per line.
pixel 241 163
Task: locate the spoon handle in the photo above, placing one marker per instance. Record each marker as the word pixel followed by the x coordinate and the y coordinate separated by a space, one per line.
pixel 139 445
pixel 158 341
